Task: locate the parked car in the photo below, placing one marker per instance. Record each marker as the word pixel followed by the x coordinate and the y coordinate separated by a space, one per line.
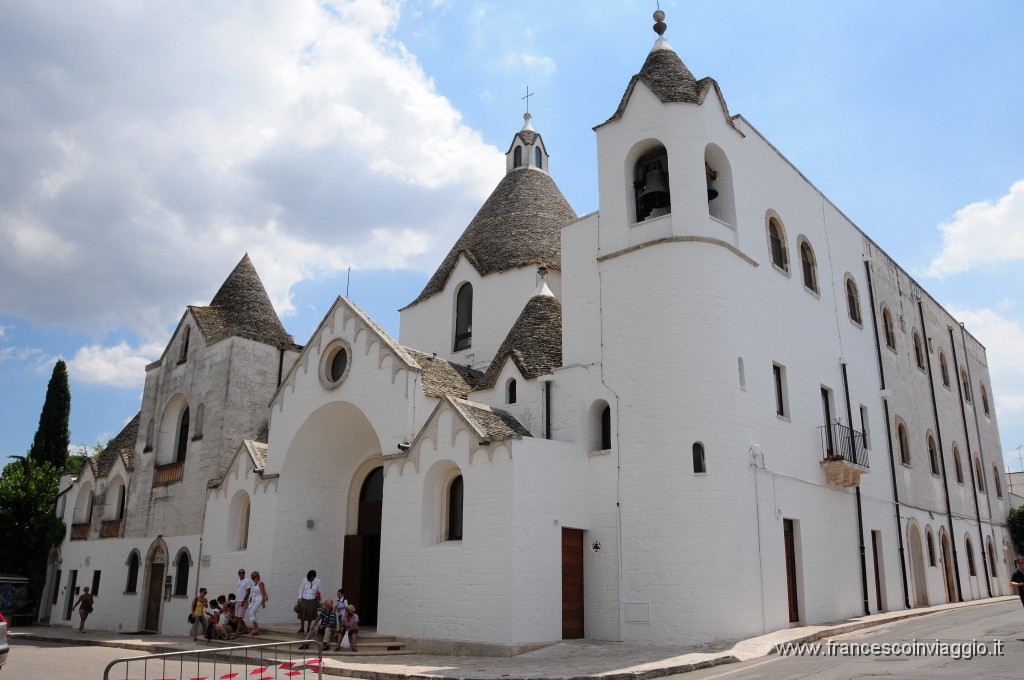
pixel 4 647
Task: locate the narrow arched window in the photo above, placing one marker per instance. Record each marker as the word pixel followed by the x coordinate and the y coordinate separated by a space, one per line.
pixel 606 428
pixel 698 458
pixel 132 584
pixel 809 267
pixel 182 447
pixel 537 156
pixel 777 243
pixel 933 456
pixel 930 540
pixel 852 301
pixel 995 480
pixel 966 384
pixel 992 570
pixel 119 501
pixel 904 442
pixel 979 475
pixel 918 351
pixel 984 400
pixel 183 354
pixel 517 157
pixel 888 328
pixel 970 558
pixel 944 369
pixel 510 396
pixel 181 575
pixel 958 466
pixel 456 494
pixel 464 317
pixel 149 436
pixel 200 417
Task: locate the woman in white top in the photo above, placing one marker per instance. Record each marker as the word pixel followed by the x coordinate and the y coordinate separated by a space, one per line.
pixel 308 601
pixel 257 600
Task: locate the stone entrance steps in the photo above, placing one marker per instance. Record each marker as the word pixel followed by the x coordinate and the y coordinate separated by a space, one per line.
pixel 370 643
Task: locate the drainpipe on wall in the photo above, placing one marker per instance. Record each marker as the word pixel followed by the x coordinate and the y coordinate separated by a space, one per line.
pixel 860 511
pixel 888 439
pixel 942 457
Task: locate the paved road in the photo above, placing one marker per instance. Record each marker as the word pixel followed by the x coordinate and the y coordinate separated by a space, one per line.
pixel 997 627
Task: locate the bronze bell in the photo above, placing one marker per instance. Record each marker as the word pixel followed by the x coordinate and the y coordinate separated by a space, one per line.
pixel 712 191
pixel 655 193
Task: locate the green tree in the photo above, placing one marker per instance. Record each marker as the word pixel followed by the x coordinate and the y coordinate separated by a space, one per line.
pixel 52 438
pixel 29 526
pixel 1016 524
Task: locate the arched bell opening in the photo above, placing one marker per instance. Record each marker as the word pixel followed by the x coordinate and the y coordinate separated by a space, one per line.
pixel 650 180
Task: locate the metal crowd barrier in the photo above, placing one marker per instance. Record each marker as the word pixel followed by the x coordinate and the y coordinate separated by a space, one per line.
pixel 270 661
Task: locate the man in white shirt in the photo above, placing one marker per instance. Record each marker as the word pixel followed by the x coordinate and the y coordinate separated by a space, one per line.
pixel 242 600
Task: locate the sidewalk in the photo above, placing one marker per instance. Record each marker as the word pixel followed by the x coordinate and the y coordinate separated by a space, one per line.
pixel 568 660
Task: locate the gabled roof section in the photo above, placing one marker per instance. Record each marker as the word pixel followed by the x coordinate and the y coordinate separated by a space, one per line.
pixel 517 226
pixel 527 137
pixel 257 453
pixel 122 446
pixel 491 424
pixel 242 308
pixel 440 377
pixel 534 342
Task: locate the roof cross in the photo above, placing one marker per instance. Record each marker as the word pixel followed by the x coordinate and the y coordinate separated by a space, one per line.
pixel 527 98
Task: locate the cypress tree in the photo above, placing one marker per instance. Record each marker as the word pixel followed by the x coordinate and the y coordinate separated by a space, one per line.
pixel 52 438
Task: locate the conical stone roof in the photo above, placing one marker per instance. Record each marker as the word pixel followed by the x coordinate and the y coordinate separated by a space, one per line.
pixel 519 225
pixel 242 308
pixel 665 74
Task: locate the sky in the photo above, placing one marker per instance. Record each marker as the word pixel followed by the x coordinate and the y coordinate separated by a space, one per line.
pixel 146 146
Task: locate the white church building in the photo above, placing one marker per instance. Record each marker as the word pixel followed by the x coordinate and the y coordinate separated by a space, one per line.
pixel 711 409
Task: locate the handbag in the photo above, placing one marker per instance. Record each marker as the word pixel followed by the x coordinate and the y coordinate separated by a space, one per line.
pixel 191 618
pixel 296 608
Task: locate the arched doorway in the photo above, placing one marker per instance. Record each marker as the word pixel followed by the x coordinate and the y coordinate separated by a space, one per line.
pixel 947 569
pixel 156 570
pixel 360 572
pixel 917 567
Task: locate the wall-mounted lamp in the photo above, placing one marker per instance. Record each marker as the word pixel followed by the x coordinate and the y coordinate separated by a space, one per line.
pixel 404 446
pixel 596 546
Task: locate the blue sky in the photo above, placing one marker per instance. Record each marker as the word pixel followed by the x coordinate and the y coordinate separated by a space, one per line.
pixel 145 147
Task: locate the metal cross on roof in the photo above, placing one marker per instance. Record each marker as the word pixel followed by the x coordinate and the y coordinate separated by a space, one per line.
pixel 527 98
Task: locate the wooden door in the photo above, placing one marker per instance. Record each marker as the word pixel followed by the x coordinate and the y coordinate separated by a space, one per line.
pixel 72 595
pixel 154 592
pixel 791 582
pixel 572 583
pixel 360 575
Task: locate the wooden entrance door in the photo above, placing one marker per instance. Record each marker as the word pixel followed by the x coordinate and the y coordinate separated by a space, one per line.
pixel 572 583
pixel 154 591
pixel 791 582
pixel 360 568
pixel 72 586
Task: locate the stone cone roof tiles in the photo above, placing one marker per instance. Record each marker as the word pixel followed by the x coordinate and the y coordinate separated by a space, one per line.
pixel 123 446
pixel 665 74
pixel 492 424
pixel 519 225
pixel 242 308
pixel 439 376
pixel 534 342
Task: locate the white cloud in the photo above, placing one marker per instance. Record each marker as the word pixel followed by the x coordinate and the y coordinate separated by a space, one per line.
pixel 117 366
pixel 983 233
pixel 147 146
pixel 545 65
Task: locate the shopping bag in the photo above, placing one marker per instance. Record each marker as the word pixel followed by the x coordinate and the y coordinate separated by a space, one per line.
pixel 345 644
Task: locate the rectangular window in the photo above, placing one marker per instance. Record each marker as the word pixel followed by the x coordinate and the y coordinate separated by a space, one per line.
pixel 779 373
pixel 864 426
pixel 96 582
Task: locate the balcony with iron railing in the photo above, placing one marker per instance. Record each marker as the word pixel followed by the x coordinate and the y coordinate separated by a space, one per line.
pixel 79 532
pixel 844 455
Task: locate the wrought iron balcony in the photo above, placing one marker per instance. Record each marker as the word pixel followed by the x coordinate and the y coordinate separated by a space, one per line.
pixel 844 455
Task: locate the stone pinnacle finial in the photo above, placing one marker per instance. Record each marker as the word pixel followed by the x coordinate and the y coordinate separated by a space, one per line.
pixel 659 22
